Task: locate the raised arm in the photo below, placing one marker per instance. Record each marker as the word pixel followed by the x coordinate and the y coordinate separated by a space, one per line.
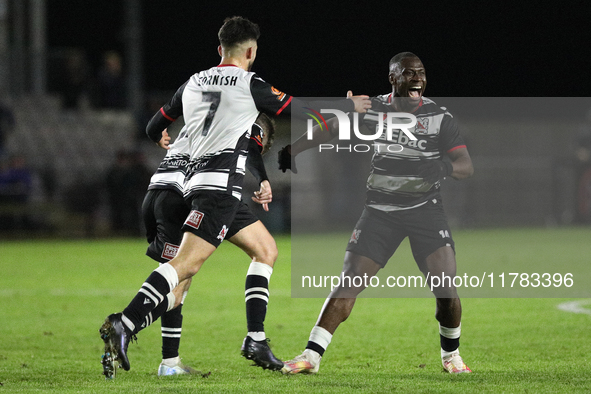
pixel 320 135
pixel 164 117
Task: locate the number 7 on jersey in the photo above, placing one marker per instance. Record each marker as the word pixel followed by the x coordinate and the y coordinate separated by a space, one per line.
pixel 214 98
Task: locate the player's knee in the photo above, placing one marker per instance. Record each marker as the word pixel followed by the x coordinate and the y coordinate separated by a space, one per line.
pixel 267 254
pixel 445 293
pixel 192 269
pixel 186 268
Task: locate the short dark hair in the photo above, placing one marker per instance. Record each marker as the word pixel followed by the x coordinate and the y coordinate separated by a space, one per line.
pixel 268 126
pixel 236 30
pixel 397 59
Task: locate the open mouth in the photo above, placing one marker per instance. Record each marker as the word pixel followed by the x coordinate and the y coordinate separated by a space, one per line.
pixel 415 91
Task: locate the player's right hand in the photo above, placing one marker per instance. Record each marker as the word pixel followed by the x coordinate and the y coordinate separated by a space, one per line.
pixel 165 140
pixel 264 196
pixel 433 170
pixel 286 161
pixel 362 103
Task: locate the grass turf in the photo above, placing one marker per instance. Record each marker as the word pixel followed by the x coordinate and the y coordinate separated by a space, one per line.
pixel 54 296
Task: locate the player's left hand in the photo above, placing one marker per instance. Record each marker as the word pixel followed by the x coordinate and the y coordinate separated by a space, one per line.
pixel 433 170
pixel 264 196
pixel 286 161
pixel 165 140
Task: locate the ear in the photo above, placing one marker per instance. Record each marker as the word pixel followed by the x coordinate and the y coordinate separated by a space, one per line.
pixel 391 78
pixel 248 53
pixel 220 50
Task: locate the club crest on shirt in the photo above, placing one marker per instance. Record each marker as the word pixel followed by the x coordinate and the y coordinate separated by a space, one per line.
pixel 355 236
pixel 169 252
pixel 194 219
pixel 223 233
pixel 422 126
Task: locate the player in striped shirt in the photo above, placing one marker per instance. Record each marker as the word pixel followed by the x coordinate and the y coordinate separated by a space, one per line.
pixel 165 210
pixel 218 105
pixel 403 200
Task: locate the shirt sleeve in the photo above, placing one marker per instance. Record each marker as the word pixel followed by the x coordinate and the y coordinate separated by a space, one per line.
pixel 254 158
pixel 449 135
pixel 166 115
pixel 257 134
pixel 275 102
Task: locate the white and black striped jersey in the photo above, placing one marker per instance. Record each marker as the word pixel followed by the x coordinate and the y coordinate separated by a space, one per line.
pixel 393 182
pixel 219 106
pixel 172 171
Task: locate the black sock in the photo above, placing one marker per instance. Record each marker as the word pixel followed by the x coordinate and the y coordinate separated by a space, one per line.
pixel 153 315
pixel 172 322
pixel 257 295
pixel 154 290
pixel 450 337
pixel 449 344
pixel 316 347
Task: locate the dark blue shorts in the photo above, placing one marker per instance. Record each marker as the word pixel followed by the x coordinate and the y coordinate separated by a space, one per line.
pixel 378 234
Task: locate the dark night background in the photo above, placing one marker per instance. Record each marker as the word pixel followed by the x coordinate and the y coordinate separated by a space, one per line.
pixel 322 49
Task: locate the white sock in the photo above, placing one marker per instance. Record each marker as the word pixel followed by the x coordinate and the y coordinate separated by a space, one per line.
pixel 447 354
pixel 128 323
pixel 171 301
pixel 170 274
pixel 321 337
pixel 171 362
pixel 313 356
pixel 451 333
pixel 256 268
pixel 257 335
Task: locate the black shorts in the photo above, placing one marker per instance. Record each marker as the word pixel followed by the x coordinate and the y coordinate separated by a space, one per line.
pixel 377 234
pixel 164 213
pixel 216 216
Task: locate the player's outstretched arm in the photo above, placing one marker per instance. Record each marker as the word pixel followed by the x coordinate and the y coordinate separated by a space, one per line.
pixel 165 116
pixel 287 154
pixel 264 196
pixel 319 136
pixel 362 102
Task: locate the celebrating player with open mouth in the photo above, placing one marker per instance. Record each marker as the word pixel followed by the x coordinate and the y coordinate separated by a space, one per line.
pixel 403 200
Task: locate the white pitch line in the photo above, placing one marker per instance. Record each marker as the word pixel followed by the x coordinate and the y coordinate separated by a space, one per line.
pixel 575 306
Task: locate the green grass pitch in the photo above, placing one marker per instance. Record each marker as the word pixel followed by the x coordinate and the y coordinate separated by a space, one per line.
pixel 54 296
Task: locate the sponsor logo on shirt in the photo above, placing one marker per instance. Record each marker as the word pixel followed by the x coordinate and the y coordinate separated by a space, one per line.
pixel 280 95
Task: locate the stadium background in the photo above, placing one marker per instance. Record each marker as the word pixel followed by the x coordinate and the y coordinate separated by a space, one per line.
pixel 529 166
pixel 55 291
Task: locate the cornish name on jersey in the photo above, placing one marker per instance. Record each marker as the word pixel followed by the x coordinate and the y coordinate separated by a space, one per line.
pixel 221 80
